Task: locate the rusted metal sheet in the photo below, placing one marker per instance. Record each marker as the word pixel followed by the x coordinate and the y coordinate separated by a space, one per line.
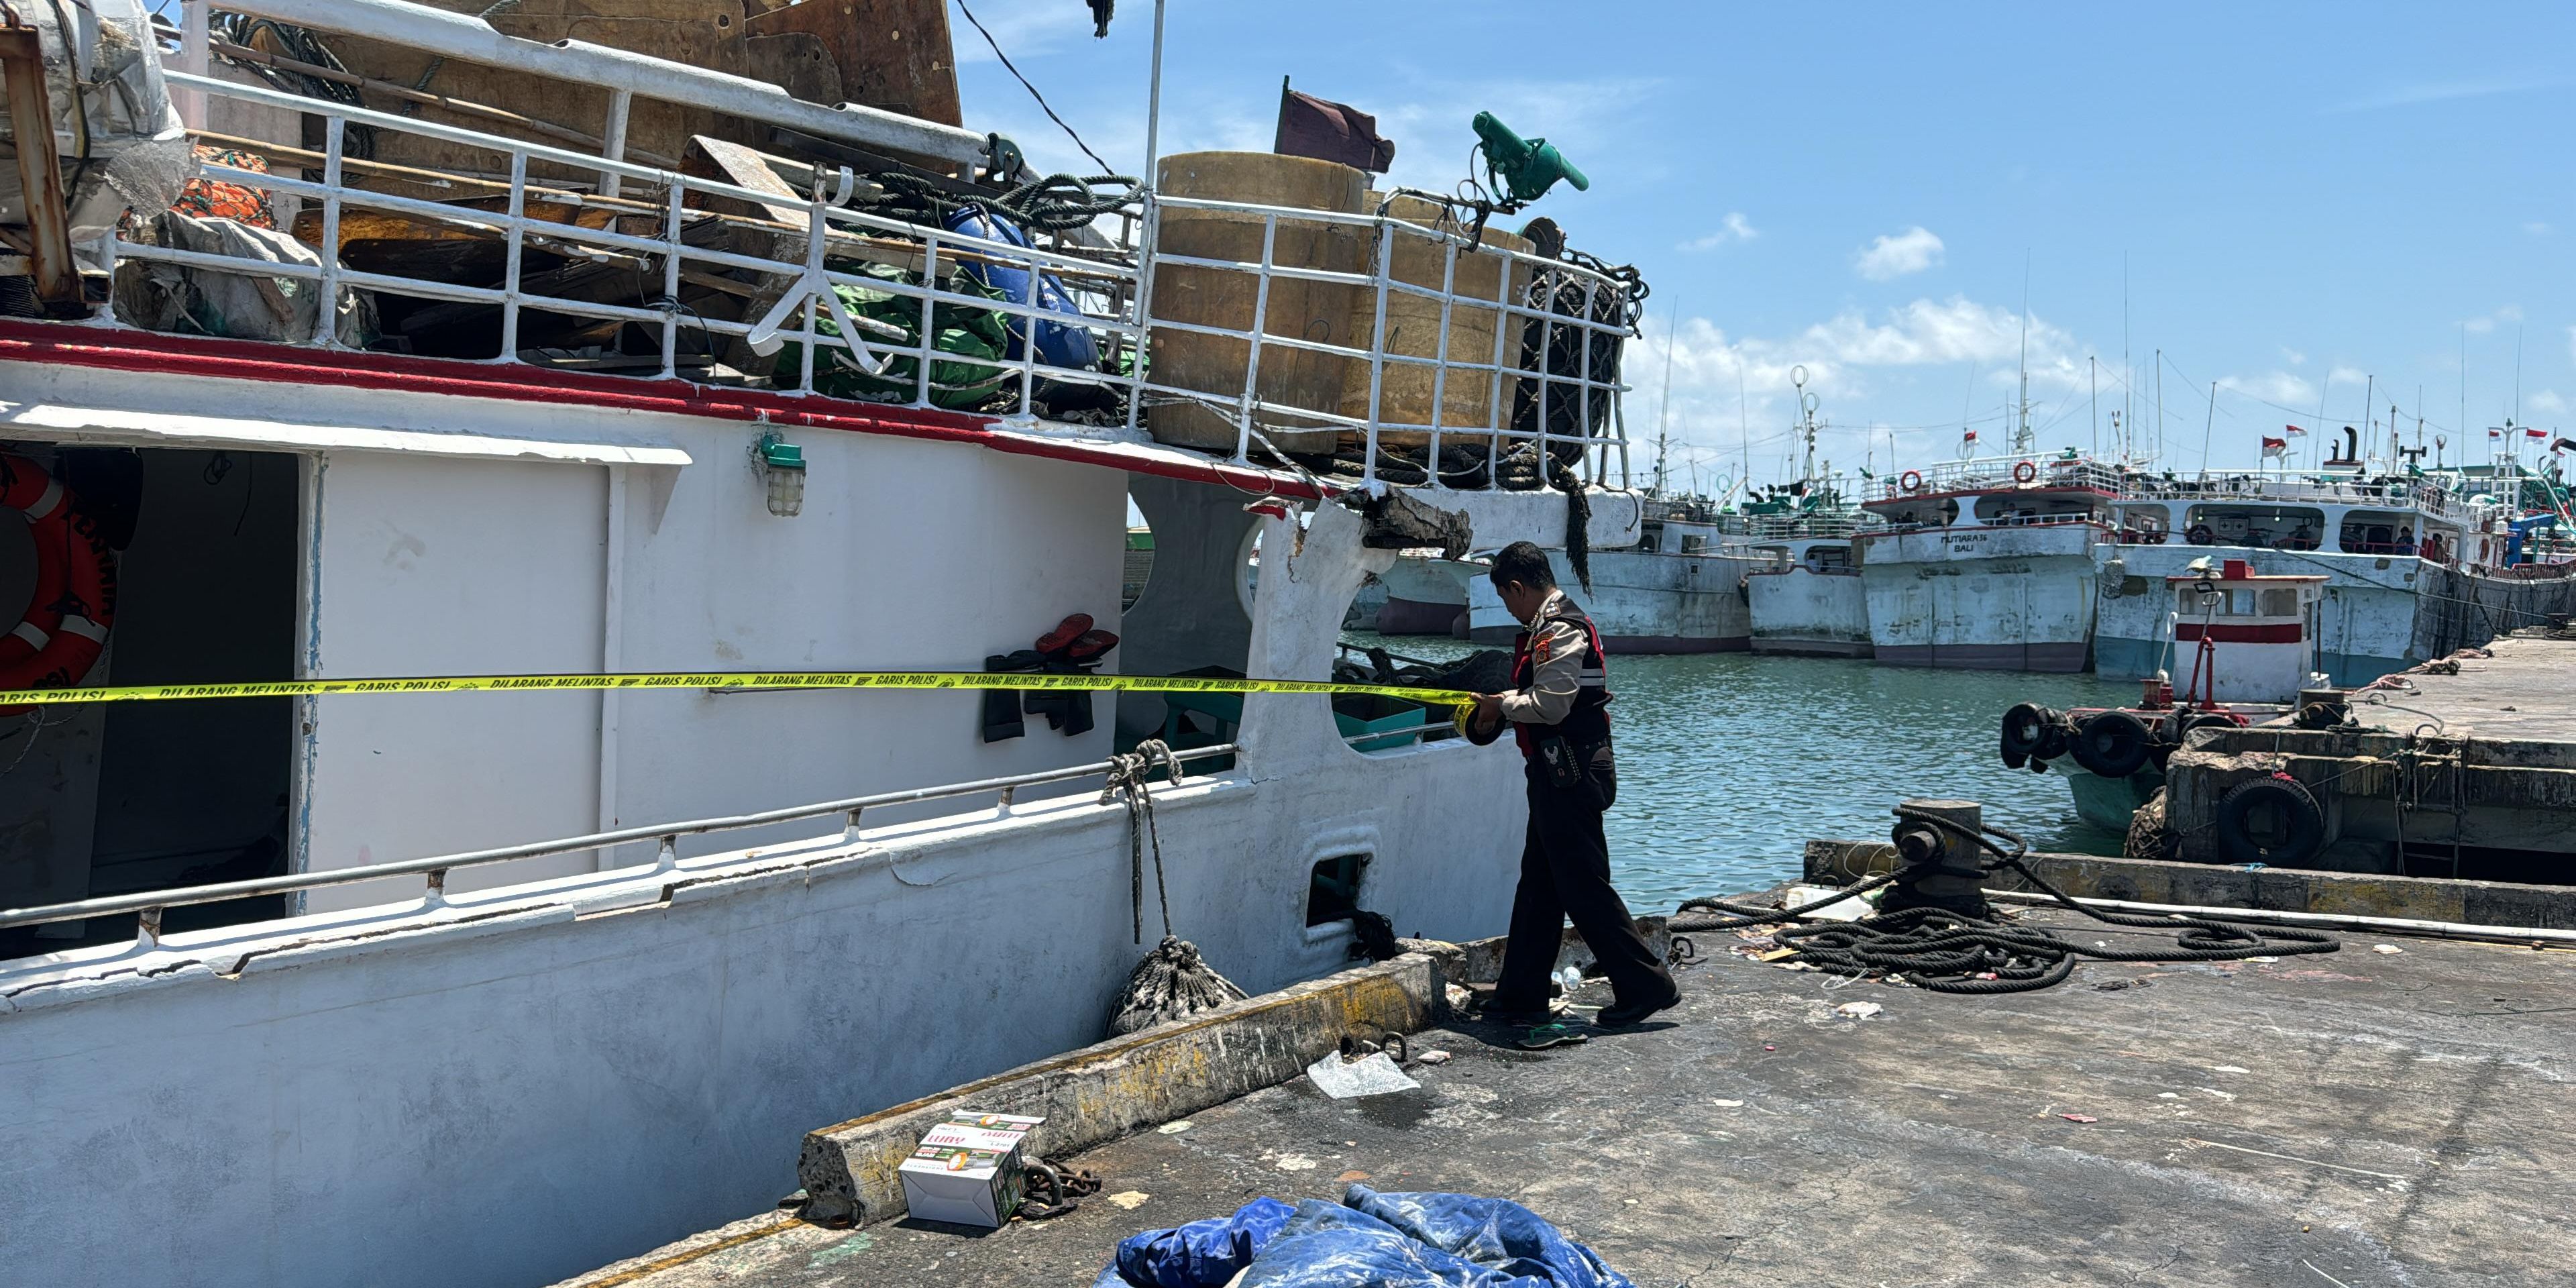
pixel 893 54
pixel 40 173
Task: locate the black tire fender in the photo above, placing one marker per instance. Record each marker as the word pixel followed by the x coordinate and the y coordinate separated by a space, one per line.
pixel 2025 728
pixel 2112 744
pixel 2304 830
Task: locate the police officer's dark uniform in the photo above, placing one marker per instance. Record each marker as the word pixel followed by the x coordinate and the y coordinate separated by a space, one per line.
pixel 1558 709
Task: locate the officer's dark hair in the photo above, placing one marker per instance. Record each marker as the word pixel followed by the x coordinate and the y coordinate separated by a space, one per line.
pixel 1525 563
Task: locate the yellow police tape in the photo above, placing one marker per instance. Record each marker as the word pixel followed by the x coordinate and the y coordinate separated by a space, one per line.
pixel 720 680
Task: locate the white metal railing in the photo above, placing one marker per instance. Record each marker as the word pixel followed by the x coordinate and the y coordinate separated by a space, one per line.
pixel 1801 527
pixel 1569 414
pixel 2001 473
pixel 2422 495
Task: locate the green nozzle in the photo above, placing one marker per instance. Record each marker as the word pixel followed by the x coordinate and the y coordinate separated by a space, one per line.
pixel 1527 167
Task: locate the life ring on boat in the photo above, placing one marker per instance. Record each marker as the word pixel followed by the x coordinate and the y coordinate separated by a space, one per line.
pixel 74 604
pixel 2025 472
pixel 2112 744
pixel 1913 481
pixel 2200 535
pixel 2301 830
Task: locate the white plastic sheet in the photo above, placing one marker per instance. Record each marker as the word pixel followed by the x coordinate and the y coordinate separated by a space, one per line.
pixel 1374 1075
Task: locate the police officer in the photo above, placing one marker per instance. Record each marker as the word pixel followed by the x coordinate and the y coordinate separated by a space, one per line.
pixel 1557 713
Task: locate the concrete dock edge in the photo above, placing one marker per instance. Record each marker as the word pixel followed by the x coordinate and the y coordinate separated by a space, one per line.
pixel 1104 1091
pixel 2482 903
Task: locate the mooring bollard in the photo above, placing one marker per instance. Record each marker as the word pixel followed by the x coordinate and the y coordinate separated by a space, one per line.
pixel 1938 867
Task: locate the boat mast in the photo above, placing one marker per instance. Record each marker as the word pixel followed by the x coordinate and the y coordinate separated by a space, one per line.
pixel 1664 416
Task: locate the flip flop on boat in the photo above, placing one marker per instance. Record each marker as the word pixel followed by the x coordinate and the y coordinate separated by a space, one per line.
pixel 1553 1035
pixel 1064 634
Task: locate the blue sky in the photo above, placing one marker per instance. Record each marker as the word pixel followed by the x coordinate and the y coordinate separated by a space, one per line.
pixel 2307 197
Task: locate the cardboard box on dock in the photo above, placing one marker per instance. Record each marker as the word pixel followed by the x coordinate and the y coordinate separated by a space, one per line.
pixel 968 1170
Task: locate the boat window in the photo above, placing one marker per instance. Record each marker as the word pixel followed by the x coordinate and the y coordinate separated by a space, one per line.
pixel 2280 603
pixel 2240 603
pixel 1333 890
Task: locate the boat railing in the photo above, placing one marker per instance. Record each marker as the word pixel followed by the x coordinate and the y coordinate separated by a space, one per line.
pixel 2423 495
pixel 1799 527
pixel 149 905
pixel 2003 474
pixel 808 323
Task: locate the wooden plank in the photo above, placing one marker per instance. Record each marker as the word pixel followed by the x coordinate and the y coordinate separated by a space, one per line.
pixel 40 174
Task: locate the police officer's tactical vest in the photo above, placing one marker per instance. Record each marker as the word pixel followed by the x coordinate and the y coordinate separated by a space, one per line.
pixel 1589 720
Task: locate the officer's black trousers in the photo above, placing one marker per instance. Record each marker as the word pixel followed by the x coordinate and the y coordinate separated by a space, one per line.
pixel 1565 872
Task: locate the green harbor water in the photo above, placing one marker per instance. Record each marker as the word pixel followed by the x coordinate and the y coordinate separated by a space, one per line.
pixel 1730 762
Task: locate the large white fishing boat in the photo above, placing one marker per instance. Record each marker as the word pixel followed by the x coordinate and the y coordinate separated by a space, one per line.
pixel 476 348
pixel 1987 564
pixel 2417 563
pixel 1681 590
pixel 2373 539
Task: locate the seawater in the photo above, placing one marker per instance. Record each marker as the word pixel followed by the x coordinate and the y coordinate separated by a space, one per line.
pixel 1729 763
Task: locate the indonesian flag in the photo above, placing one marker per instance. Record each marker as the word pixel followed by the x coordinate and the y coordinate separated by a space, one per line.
pixel 1968 436
pixel 2535 433
pixel 2295 430
pixel 2274 446
pixel 2495 433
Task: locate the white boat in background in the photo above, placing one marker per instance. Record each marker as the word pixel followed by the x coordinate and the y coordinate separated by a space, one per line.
pixel 2374 538
pixel 417 989
pixel 1426 594
pixel 1987 564
pixel 2243 647
pixel 1681 590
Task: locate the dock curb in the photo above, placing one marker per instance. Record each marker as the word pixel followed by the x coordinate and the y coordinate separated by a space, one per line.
pixel 1107 1090
pixel 2085 876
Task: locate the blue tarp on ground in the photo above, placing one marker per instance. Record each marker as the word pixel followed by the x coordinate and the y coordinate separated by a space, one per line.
pixel 1369 1240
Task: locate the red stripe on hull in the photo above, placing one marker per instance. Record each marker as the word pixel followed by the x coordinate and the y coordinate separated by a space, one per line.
pixel 2281 633
pixel 159 354
pixel 2057 658
pixel 1812 648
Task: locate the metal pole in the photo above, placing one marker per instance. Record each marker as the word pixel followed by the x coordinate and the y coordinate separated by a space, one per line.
pixel 1152 225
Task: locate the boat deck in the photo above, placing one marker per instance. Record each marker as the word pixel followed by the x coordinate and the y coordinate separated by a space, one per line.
pixel 2363 1118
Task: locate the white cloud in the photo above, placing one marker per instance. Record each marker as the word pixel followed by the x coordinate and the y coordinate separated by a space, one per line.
pixel 1023 28
pixel 2481 326
pixel 2547 402
pixel 2293 357
pixel 2343 375
pixel 1736 228
pixel 2537 228
pixel 2273 387
pixel 2442 91
pixel 1891 256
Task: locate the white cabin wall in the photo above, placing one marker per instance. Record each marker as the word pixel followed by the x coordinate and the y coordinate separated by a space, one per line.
pixel 435 566
pixel 907 556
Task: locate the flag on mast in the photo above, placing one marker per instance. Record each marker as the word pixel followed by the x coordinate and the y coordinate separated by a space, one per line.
pixel 2275 447
pixel 2297 432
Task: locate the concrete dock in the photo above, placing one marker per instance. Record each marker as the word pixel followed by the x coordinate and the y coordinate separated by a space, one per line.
pixel 2459 768
pixel 2363 1118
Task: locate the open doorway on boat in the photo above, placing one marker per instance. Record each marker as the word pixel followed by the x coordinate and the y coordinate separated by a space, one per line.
pixel 102 800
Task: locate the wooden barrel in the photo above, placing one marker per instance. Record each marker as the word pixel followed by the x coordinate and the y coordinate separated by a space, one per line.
pixel 1320 311
pixel 1406 391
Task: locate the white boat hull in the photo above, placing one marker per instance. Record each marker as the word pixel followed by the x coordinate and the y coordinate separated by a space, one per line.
pixel 1800 610
pixel 1975 598
pixel 1641 601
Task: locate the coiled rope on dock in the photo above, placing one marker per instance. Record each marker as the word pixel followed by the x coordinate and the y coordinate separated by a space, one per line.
pixel 1946 951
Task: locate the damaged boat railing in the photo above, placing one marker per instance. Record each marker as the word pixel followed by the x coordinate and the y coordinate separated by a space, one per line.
pixel 666 836
pixel 150 904
pixel 1536 390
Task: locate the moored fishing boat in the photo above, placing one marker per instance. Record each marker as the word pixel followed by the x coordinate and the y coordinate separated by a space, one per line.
pixel 2247 642
pixel 1987 564
pixel 631 373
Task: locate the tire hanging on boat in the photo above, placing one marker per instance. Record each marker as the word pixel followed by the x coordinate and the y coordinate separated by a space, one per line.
pixel 2024 728
pixel 2111 744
